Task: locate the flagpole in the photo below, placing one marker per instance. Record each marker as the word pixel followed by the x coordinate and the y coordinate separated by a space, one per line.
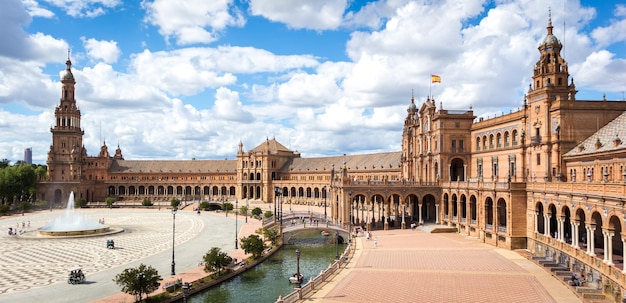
pixel 430 84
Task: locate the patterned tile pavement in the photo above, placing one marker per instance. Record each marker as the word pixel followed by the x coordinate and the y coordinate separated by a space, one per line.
pixel 33 268
pixel 416 266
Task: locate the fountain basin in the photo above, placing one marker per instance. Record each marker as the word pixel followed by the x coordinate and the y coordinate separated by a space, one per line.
pixel 69 233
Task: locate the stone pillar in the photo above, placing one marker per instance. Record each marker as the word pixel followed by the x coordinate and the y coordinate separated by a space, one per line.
pixel 574 234
pixel 368 218
pixel 609 238
pixel 536 222
pixel 464 172
pixel 623 250
pixel 546 225
pixel 419 211
pixel 403 221
pixel 386 214
pixel 436 213
pixel 561 229
pixel 591 240
pixel 605 246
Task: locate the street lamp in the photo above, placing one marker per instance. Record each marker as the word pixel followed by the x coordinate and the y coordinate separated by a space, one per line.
pixel 275 202
pixel 336 245
pixel 173 238
pixel 350 218
pixel 140 278
pixel 325 194
pixel 298 264
pixel 247 210
pixel 236 212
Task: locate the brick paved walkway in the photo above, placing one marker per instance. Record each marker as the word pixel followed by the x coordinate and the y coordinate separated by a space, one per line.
pixel 415 266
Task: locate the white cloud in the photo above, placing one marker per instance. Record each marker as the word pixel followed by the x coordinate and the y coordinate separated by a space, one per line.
pixel 192 21
pixel 107 51
pixel 34 10
pixel 85 8
pixel 301 14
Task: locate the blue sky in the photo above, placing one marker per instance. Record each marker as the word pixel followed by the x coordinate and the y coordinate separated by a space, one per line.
pixel 191 78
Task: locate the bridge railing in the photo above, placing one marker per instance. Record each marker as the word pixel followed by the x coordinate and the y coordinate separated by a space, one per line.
pixel 300 293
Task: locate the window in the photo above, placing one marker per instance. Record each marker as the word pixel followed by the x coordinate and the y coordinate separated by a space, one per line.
pixel 538 159
pixel 460 145
pixel 453 146
pixel 478 143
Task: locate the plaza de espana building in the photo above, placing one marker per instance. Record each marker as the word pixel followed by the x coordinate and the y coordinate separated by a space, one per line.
pixel 549 177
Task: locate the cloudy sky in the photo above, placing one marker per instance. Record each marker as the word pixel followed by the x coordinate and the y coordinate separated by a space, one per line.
pixel 192 78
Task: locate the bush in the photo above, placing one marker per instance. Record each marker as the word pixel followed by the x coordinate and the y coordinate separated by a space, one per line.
pixel 146 202
pixel 268 214
pixel 80 203
pixel 205 205
pixel 257 211
pixel 4 209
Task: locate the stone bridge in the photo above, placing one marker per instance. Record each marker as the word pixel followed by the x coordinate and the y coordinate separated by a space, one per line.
pixel 295 222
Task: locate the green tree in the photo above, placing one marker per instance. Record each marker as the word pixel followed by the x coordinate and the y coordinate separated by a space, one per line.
pixel 109 202
pixel 175 203
pixel 271 234
pixel 257 211
pixel 41 172
pixel 254 245
pixel 244 210
pixel 138 281
pixel 227 206
pixel 215 260
pixel 146 202
pixel 268 214
pixel 205 205
pixel 4 163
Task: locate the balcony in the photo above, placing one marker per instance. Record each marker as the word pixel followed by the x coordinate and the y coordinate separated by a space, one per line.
pixel 535 140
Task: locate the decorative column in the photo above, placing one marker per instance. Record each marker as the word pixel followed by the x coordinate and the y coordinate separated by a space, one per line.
pixel 419 211
pixel 436 213
pixel 403 226
pixel 592 241
pixel 605 246
pixel 609 239
pixel 574 234
pixel 561 229
pixel 546 225
pixel 536 222
pixel 386 214
pixel 623 250
pixel 368 219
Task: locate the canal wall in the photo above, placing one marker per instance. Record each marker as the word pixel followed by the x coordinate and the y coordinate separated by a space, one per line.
pixel 300 293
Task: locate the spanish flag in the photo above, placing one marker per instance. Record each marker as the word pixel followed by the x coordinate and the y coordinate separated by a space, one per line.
pixel 435 79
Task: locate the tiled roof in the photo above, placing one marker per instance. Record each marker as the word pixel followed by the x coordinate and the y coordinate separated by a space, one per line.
pixel 353 162
pixel 271 145
pixel 604 139
pixel 167 166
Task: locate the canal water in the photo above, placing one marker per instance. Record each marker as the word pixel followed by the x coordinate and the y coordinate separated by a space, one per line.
pixel 270 279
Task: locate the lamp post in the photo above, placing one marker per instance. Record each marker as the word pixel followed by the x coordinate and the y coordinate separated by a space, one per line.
pixel 350 218
pixel 275 203
pixel 236 212
pixel 325 194
pixel 336 245
pixel 185 291
pixel 298 264
pixel 140 280
pixel 247 210
pixel 173 238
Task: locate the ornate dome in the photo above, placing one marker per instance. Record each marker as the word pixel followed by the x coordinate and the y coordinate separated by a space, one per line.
pixel 68 71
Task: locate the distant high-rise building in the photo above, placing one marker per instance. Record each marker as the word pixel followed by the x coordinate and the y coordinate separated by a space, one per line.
pixel 28 155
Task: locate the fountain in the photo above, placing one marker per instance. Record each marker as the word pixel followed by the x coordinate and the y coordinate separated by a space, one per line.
pixel 71 223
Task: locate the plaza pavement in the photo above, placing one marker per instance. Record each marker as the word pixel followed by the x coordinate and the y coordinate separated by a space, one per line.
pixel 417 266
pixel 405 266
pixel 33 269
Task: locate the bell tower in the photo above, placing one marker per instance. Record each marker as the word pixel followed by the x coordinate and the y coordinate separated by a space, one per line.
pixel 66 152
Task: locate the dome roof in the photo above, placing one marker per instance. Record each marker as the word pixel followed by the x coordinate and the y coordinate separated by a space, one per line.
pixel 67 75
pixel 550 39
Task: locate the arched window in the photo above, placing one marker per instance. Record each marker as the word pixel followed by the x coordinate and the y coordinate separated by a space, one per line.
pixel 478 143
pixel 506 139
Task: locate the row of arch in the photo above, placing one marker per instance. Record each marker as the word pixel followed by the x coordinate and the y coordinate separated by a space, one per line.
pixel 598 232
pixel 386 211
pixel 457 208
pixel 498 140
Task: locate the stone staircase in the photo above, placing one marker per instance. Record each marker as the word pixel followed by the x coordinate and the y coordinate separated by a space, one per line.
pixel 586 293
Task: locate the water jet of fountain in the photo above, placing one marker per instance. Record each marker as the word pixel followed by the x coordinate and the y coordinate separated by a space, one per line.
pixel 71 223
